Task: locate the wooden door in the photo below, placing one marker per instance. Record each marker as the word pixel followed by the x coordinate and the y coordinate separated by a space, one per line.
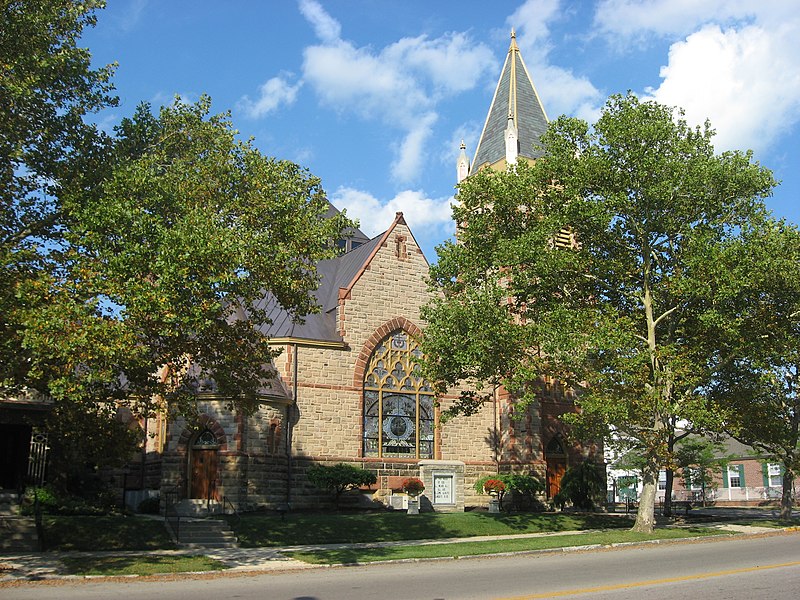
pixel 204 473
pixel 555 471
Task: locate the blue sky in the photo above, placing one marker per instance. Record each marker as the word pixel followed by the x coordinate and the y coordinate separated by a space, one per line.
pixel 374 96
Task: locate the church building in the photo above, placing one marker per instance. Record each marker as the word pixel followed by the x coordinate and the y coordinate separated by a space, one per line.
pixel 347 387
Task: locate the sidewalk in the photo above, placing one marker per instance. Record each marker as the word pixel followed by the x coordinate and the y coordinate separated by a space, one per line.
pixel 47 565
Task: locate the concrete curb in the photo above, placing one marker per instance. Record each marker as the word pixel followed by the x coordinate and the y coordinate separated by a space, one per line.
pixel 42 568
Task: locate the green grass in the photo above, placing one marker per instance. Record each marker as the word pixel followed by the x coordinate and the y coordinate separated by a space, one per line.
pixel 454 550
pixel 327 528
pixel 774 523
pixel 139 565
pixel 116 532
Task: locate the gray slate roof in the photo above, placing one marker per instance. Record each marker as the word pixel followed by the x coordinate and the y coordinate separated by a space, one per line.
pixel 334 273
pixel 515 93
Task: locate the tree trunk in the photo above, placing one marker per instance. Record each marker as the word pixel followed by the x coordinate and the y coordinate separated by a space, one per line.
pixel 786 495
pixel 645 516
pixel 668 493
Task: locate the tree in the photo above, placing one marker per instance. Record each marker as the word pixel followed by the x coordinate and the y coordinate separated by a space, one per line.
pixel 757 314
pixel 84 442
pixel 698 459
pixel 584 267
pixel 48 87
pixel 171 265
pixel 583 485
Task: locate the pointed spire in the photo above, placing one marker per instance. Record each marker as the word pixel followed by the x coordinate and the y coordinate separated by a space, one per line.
pixel 462 165
pixel 516 103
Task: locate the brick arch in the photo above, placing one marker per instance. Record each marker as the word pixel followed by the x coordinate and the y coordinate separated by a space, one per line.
pixel 204 421
pixel 377 336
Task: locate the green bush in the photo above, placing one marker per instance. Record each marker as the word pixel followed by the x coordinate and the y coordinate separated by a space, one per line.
pixel 46 496
pixel 149 506
pixel 51 502
pixel 522 489
pixel 583 486
pixel 340 477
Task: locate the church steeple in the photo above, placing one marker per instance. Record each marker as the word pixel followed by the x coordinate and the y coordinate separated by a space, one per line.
pixel 516 116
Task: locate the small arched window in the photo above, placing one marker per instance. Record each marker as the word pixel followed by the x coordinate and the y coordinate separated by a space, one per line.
pixel 398 402
pixel 206 439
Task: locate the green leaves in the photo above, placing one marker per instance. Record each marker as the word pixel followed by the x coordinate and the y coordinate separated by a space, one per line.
pixel 190 230
pixel 592 266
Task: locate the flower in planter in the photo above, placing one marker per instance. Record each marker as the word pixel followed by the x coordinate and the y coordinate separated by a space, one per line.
pixel 494 487
pixel 413 486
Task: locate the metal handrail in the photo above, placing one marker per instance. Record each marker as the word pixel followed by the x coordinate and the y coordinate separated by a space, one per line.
pixel 227 502
pixel 169 505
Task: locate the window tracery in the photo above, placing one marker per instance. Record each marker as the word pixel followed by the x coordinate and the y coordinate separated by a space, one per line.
pixel 398 402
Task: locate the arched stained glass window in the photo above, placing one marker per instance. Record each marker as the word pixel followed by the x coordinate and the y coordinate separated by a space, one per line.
pixel 398 402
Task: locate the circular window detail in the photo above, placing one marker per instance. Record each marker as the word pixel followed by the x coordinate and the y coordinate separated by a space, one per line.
pixel 398 428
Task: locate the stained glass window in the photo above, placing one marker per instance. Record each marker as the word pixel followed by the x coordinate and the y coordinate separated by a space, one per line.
pixel 206 438
pixel 398 402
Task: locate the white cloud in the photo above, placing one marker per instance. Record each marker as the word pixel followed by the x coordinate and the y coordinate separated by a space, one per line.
pixel 272 94
pixel 130 17
pixel 746 81
pixel 325 27
pixel 352 79
pixel 422 214
pixel 400 85
pixel 635 20
pixel 412 149
pixel 561 91
pixel 733 62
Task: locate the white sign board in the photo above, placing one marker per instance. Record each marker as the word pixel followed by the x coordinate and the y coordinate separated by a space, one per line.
pixel 443 489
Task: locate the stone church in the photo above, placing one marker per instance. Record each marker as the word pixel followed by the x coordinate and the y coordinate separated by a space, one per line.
pixel 347 388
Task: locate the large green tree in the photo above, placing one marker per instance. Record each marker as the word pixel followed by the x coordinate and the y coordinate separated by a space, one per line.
pixel 47 87
pixel 757 314
pixel 143 263
pixel 583 266
pixel 174 258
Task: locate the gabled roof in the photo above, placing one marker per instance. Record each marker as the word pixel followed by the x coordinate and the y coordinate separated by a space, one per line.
pixel 338 273
pixel 514 96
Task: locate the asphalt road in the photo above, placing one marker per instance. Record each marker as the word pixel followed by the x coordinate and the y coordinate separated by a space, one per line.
pixel 761 567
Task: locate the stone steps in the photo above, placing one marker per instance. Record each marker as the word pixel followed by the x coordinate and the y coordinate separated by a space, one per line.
pixel 203 533
pixel 196 508
pixel 9 504
pixel 18 534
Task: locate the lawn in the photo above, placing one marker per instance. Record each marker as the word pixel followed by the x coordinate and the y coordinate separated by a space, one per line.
pixel 115 532
pixel 256 530
pixel 139 565
pixel 458 549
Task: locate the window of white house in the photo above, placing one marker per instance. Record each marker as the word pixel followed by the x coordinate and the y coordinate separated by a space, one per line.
pixel 775 475
pixel 662 479
pixel 734 478
pixel 696 479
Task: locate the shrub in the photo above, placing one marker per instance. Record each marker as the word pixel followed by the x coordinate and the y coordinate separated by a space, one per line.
pixel 340 477
pixel 46 496
pixel 583 486
pixel 149 506
pixel 50 501
pixel 522 488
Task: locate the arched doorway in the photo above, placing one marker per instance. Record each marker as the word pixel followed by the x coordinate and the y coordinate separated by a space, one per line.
pixel 556 458
pixel 204 466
